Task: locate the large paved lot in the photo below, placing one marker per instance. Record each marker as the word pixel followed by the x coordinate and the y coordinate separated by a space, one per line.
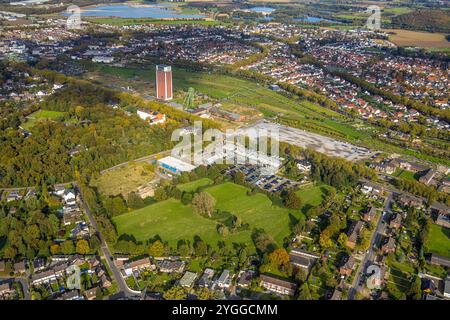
pixel 314 141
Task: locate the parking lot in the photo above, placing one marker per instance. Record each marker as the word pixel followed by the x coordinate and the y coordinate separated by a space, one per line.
pixel 255 176
pixel 313 141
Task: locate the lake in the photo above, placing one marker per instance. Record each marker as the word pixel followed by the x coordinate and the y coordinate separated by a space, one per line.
pixel 263 10
pixel 315 19
pixel 129 11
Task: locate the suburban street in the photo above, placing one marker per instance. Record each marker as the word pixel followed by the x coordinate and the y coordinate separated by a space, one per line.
pixel 123 287
pixel 370 254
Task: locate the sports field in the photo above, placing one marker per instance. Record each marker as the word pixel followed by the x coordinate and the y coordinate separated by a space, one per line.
pixel 173 221
pixel 438 240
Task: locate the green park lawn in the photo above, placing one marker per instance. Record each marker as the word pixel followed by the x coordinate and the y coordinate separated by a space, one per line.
pixel 173 221
pixel 438 240
pixel 194 185
pixel 40 115
pixel 312 195
pixel 404 174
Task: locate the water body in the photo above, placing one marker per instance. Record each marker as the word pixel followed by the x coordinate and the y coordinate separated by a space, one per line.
pixel 315 19
pixel 265 10
pixel 128 11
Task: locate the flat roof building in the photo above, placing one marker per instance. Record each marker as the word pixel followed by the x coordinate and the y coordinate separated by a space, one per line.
pixel 172 165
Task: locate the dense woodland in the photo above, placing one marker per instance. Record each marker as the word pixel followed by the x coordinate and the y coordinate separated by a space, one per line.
pixel 107 135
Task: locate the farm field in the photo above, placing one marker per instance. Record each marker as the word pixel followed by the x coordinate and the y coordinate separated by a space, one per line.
pixel 124 180
pixel 438 240
pixel 173 221
pixel 41 115
pixel 194 185
pixel 407 38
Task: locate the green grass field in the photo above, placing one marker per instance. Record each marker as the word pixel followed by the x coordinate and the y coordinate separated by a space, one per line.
pixel 42 115
pixel 312 196
pixel 194 185
pixel 438 240
pixel 173 221
pixel 404 174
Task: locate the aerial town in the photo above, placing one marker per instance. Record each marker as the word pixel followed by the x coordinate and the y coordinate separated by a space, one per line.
pixel 130 169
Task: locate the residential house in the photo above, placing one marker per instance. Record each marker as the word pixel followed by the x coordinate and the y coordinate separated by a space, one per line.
pixel 20 267
pixel 302 259
pixel 39 264
pixel 369 214
pixel 170 266
pixel 91 294
pixel 138 265
pixel 105 282
pixel 205 279
pixel 427 177
pixel 13 196
pixel 278 285
pixel 447 288
pixel 396 221
pixel 443 220
pixel 188 279
pixel 371 188
pixel 224 280
pixel 353 233
pixel 336 295
pixel 439 260
pixel 43 277
pixel 348 264
pixel 6 289
pixel 303 165
pixel 245 278
pixel 410 201
pixel 69 196
pixel 389 245
pixel 70 295
pixel 59 190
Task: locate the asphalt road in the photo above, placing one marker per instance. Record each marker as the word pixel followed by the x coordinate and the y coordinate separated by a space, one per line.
pixel 370 255
pixel 123 288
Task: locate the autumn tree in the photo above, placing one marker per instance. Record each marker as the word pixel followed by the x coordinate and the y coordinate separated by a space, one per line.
pixel 293 201
pixel 83 247
pixel 156 249
pixel 278 258
pixel 175 293
pixel 203 203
